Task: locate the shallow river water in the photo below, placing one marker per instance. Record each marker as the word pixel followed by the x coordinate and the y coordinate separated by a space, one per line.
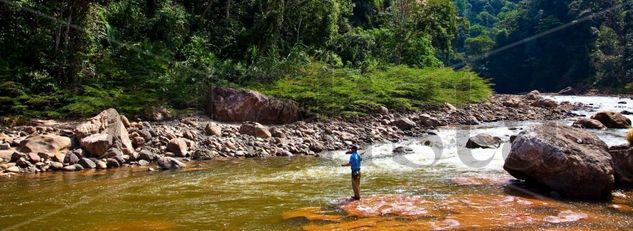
pixel 465 189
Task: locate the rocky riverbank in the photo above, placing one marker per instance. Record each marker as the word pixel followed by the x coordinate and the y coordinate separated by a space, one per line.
pixel 110 140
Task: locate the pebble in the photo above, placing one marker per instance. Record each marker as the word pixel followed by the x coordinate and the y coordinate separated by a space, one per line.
pixel 143 163
pixel 112 163
pixel 5 146
pixel 101 164
pixel 13 169
pixel 70 168
pixel 87 163
pixel 57 166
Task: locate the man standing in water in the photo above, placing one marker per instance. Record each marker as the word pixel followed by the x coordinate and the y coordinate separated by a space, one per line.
pixel 354 162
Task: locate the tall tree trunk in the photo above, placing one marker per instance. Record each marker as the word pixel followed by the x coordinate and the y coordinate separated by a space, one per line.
pixel 74 43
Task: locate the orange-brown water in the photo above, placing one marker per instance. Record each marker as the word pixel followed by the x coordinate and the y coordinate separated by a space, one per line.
pixel 292 194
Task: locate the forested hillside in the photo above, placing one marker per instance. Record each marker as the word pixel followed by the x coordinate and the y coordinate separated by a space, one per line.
pixel 578 43
pixel 74 58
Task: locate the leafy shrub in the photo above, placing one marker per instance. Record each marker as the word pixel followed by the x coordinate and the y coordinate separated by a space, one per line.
pixel 327 91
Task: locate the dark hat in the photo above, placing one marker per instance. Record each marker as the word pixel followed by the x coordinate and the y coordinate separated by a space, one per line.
pixel 353 146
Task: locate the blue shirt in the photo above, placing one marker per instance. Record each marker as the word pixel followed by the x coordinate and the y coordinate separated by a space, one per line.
pixel 355 160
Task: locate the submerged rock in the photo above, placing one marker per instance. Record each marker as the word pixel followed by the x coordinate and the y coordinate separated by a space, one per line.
pixel 571 161
pixel 398 205
pixel 566 216
pixel 480 181
pixel 458 212
pixel 311 214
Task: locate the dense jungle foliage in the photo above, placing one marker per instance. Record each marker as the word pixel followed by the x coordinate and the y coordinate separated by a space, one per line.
pixel 549 44
pixel 64 59
pixel 74 58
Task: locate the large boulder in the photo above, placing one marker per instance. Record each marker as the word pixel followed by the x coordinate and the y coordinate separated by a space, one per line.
pixel 107 122
pixel 622 164
pixel 484 141
pixel 255 129
pixel 232 105
pixel 51 145
pixel 97 144
pixel 571 161
pixel 612 119
pixel 588 124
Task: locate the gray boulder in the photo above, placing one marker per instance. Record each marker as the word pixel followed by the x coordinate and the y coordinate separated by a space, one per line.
pixel 571 161
pixel 146 155
pixel 232 105
pixel 484 141
pixel 622 164
pixel 203 154
pixel 166 163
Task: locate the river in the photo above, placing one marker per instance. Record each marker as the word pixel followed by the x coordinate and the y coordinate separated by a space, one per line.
pixel 263 194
